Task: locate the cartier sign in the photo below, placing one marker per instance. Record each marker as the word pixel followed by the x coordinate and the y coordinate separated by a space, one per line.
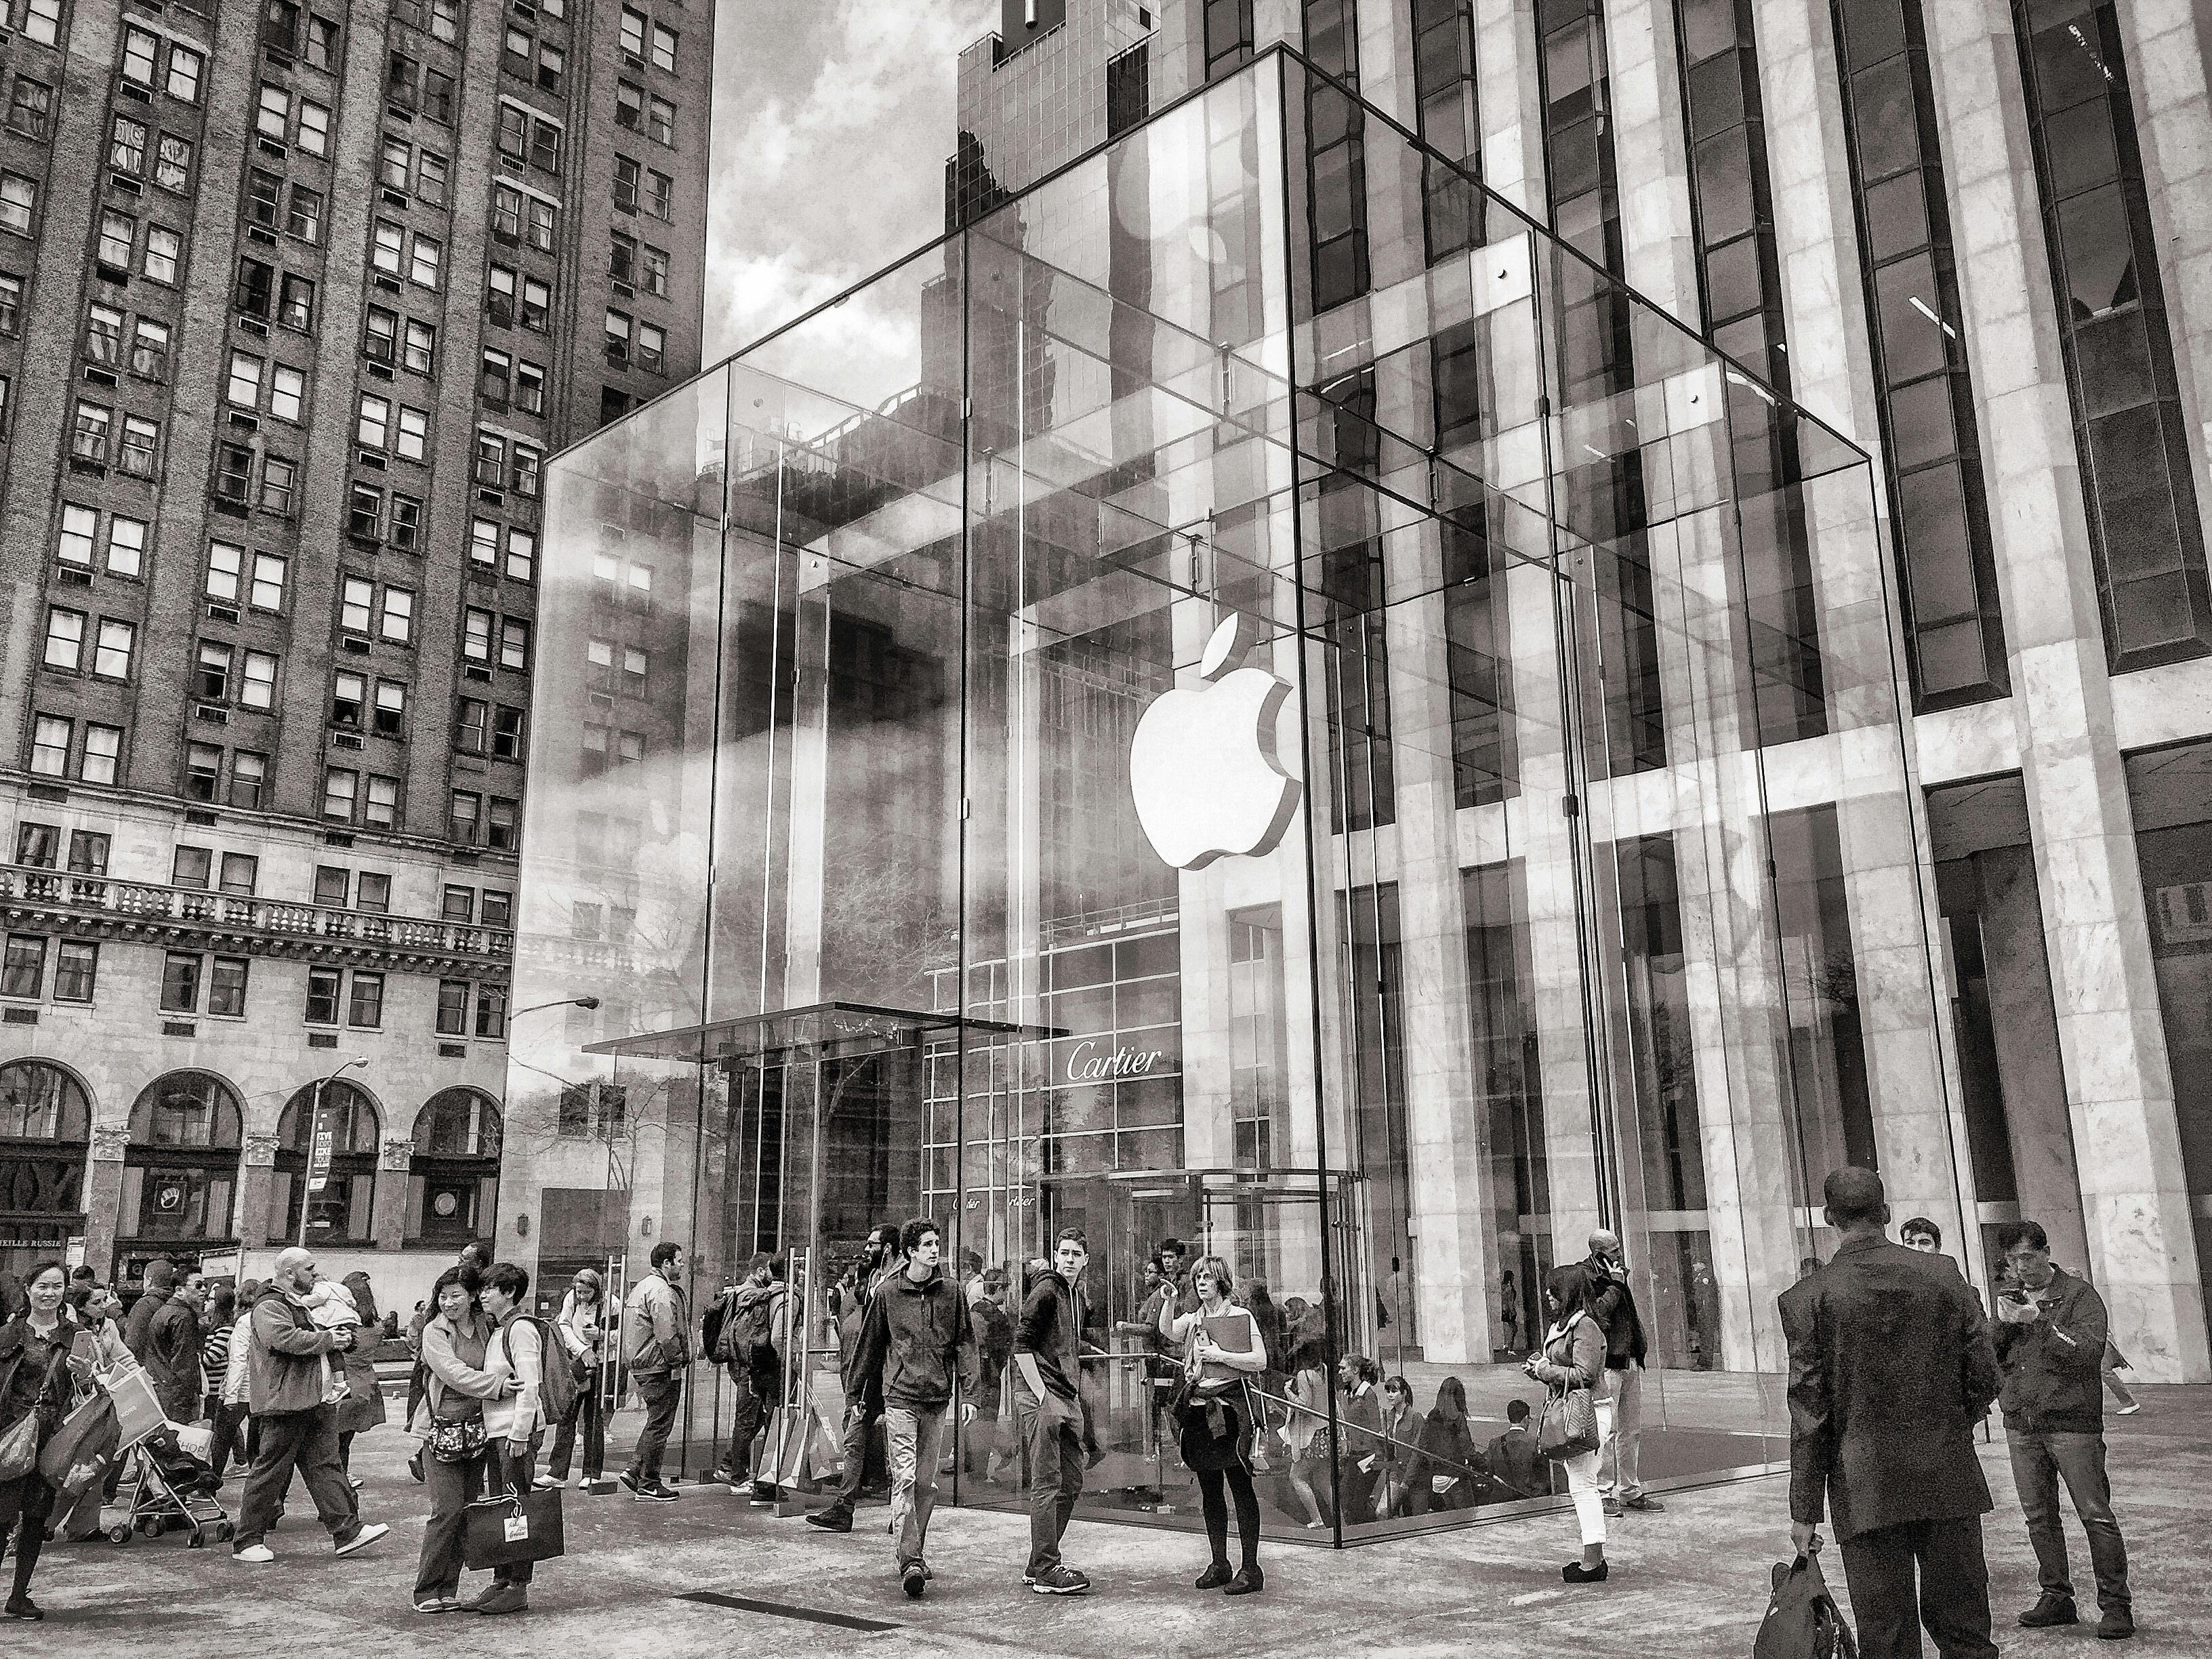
pixel 1092 1061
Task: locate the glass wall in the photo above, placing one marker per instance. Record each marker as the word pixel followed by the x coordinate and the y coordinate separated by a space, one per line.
pixel 1103 728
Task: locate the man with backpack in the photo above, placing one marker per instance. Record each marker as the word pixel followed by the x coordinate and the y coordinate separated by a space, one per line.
pixel 864 1405
pixel 656 1345
pixel 750 1340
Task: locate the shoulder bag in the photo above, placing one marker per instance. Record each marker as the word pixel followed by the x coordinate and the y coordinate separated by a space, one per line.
pixel 1568 1427
pixel 458 1438
pixel 503 1528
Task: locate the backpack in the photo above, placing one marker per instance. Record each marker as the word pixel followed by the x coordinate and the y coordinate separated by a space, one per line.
pixel 994 1332
pixel 1802 1620
pixel 556 1390
pixel 711 1324
pixel 748 1333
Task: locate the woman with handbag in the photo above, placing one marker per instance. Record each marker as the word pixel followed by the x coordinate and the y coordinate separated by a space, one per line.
pixel 1222 1350
pixel 581 1330
pixel 35 1396
pixel 1572 1364
pixel 450 1423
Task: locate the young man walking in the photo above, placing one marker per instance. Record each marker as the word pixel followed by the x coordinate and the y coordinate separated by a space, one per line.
pixel 2051 1333
pixel 1049 1412
pixel 916 1345
pixel 657 1343
pixel 864 1404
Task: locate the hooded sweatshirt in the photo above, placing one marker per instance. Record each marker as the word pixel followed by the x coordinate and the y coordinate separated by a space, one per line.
pixel 916 1341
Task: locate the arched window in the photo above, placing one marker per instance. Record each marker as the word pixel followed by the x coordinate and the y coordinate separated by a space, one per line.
pixel 342 1211
pixel 453 1180
pixel 180 1172
pixel 46 1131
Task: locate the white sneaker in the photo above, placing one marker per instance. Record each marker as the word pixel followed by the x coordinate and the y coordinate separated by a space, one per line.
pixel 361 1541
pixel 258 1555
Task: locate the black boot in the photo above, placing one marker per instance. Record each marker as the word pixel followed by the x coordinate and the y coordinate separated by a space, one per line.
pixel 2051 1608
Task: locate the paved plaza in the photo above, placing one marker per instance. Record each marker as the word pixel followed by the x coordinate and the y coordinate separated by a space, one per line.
pixel 1688 1582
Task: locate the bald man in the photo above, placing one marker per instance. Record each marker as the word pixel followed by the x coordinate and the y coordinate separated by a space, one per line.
pixel 1613 1305
pixel 1890 1367
pixel 289 1373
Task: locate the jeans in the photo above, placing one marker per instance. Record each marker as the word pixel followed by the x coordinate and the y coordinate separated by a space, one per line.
pixel 591 1410
pixel 662 1393
pixel 757 1394
pixel 453 1488
pixel 917 1441
pixel 306 1441
pixel 2040 1462
pixel 861 1420
pixel 1951 1598
pixel 1618 1456
pixel 1052 1432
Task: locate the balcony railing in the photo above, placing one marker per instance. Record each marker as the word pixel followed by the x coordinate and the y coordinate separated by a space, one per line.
pixel 279 921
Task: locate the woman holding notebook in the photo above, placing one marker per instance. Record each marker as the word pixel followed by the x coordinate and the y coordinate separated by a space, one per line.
pixel 1222 1350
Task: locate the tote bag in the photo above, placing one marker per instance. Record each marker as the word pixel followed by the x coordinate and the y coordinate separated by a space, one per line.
pixel 509 1528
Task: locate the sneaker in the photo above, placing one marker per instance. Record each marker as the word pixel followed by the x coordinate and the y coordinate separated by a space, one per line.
pixel 254 1555
pixel 658 1493
pixel 838 1517
pixel 720 1475
pixel 1248 1581
pixel 1059 1580
pixel 628 1478
pixel 762 1493
pixel 361 1541
pixel 355 1481
pixel 913 1578
pixel 1576 1573
pixel 2050 1610
pixel 550 1483
pixel 1644 1501
pixel 1612 1507
pixel 439 1604
pixel 2116 1625
pixel 2128 1410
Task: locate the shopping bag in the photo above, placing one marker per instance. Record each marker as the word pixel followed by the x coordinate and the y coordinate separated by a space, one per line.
pixel 137 1409
pixel 506 1528
pixel 79 1454
pixel 1803 1620
pixel 797 1449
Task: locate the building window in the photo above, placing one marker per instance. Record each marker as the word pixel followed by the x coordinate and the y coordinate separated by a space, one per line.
pixel 19 203
pixel 211 679
pixel 226 987
pixel 241 873
pixel 349 697
pixel 256 686
pixel 452 1007
pixel 164 247
pixel 633 27
pixel 2137 474
pixel 1931 447
pixel 77 970
pixel 1338 180
pixel 31 107
pixel 626 179
pixel 462 814
pixel 112 656
pixel 88 852
pixel 341 786
pixel 502 826
pixel 192 866
pixel 381 806
pixel 390 718
pixel 180 982
pixel 50 746
pixel 203 771
pixel 23 974
pixel 457 903
pixel 249 774
pixel 507 733
pixel 491 1011
pixel 304 218
pixel 64 639
pixel 471 723
pixel 102 753
pixel 365 1006
pixel 323 986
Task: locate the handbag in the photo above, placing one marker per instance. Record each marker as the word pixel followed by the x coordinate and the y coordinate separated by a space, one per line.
pixel 1569 1425
pixel 1803 1620
pixel 18 1448
pixel 505 1529
pixel 80 1453
pixel 456 1440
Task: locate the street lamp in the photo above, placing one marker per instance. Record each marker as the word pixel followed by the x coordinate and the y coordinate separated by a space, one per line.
pixel 319 1144
pixel 557 1002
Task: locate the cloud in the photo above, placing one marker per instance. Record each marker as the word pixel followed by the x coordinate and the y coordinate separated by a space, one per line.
pixel 832 122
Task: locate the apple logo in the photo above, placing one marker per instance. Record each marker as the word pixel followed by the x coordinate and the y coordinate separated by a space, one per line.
pixel 1202 766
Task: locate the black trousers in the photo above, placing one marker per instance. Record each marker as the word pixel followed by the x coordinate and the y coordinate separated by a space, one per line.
pixel 32 1503
pixel 1917 1573
pixel 229 1420
pixel 663 1394
pixel 306 1442
pixel 1210 1498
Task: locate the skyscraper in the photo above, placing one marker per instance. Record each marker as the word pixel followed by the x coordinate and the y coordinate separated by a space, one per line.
pixel 294 300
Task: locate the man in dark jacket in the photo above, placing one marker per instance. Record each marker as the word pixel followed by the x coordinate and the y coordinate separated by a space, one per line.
pixel 1048 1409
pixel 158 1284
pixel 1890 1368
pixel 916 1346
pixel 2050 1335
pixel 1512 1457
pixel 288 1388
pixel 172 1359
pixel 1612 1304
pixel 864 1404
pixel 751 1343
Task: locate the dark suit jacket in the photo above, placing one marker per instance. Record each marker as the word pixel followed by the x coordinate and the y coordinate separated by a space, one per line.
pixel 1890 1367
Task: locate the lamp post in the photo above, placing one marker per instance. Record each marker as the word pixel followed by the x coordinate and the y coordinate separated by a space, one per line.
pixel 320 1138
pixel 557 1002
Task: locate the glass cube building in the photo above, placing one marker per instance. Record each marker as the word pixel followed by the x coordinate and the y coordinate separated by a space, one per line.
pixel 1092 728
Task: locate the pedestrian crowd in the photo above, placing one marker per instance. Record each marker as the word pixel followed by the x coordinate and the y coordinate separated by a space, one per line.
pixel 1895 1362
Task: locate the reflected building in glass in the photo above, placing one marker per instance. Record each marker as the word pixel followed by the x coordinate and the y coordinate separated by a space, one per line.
pixel 1259 693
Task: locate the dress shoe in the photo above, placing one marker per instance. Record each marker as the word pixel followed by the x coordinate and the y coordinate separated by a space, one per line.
pixel 1215 1576
pixel 1248 1581
pixel 2049 1610
pixel 23 1607
pixel 1644 1501
pixel 838 1517
pixel 2116 1625
pixel 502 1598
pixel 1576 1573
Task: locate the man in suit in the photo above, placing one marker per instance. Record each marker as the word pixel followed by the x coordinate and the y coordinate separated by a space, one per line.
pixel 1891 1366
pixel 1514 1465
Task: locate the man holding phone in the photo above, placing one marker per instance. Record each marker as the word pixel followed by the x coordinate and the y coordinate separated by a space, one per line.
pixel 1049 1411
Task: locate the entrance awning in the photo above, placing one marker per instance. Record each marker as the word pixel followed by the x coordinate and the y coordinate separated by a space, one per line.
pixel 846 1028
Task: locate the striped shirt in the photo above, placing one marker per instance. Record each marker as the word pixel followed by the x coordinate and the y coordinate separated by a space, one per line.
pixel 215 1353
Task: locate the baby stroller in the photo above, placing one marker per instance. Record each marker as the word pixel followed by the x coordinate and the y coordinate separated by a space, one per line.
pixel 175 1491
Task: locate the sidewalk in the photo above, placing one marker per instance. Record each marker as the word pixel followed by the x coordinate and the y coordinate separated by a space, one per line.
pixel 1691 1582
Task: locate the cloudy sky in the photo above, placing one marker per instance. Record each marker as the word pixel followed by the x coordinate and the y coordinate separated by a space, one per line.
pixel 832 122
